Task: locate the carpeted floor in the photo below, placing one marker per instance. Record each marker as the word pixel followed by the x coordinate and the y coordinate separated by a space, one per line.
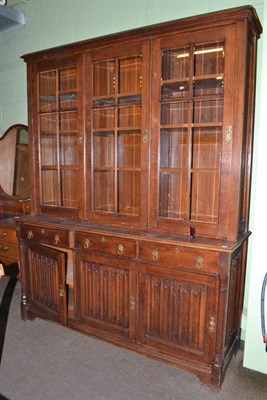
pixel 42 360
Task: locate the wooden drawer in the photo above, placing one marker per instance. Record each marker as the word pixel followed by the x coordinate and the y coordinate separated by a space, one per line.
pixel 178 256
pixel 8 233
pixel 8 251
pixel 50 236
pixel 109 245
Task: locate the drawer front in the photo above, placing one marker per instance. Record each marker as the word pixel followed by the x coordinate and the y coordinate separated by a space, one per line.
pixel 178 256
pixel 8 251
pixel 8 234
pixel 109 245
pixel 50 236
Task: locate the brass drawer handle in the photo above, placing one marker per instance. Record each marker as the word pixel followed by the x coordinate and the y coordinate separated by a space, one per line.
pixel 56 240
pixel 155 255
pixel 86 243
pixel 4 234
pixel 3 248
pixel 103 239
pixel 120 249
pixel 199 263
pixel 29 235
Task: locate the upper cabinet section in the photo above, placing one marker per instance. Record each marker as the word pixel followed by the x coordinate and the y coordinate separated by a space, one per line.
pixel 149 129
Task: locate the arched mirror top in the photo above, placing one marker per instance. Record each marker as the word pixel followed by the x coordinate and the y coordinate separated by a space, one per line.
pixel 14 162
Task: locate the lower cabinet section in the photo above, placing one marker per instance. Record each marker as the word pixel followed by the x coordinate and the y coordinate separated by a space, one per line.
pixel 188 316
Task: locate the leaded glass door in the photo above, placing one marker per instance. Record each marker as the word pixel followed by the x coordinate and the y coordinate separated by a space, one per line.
pixel 119 136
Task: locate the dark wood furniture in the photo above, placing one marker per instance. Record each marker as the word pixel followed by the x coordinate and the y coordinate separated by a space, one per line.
pixel 141 163
pixel 14 191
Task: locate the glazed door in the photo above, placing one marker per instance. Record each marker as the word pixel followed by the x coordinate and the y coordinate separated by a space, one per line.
pixel 105 290
pixel 119 135
pixel 193 95
pixel 47 288
pixel 178 312
pixel 59 149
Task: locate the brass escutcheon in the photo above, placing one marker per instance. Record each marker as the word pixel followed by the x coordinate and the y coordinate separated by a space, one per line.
pixel 80 138
pixel 229 133
pixel 145 136
pixel 132 304
pixel 120 249
pixel 199 263
pixel 86 243
pixel 212 325
pixel 103 239
pixel 61 291
pixel 155 255
pixel 56 239
pixel 29 235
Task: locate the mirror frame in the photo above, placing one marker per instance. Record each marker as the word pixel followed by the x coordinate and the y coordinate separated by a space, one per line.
pixel 2 138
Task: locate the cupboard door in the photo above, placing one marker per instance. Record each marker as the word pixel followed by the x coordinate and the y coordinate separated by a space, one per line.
pixel 178 312
pixel 119 135
pixel 193 94
pixel 105 291
pixel 60 126
pixel 47 288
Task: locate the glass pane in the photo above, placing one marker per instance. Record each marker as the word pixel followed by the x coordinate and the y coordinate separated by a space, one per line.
pixel 104 78
pixel 205 197
pixel 209 68
pixel 173 148
pixel 174 113
pixel 208 86
pixel 129 149
pixel 130 75
pixel 69 150
pixel 48 123
pixel 69 188
pixel 209 59
pixel 174 90
pixel 206 147
pixel 50 188
pixel 47 91
pixel 49 150
pixel 208 111
pixel 129 117
pixel 103 150
pixel 172 195
pixel 104 118
pixel 68 79
pixel 175 63
pixel 68 121
pixel 104 199
pixel 67 101
pixel 129 192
